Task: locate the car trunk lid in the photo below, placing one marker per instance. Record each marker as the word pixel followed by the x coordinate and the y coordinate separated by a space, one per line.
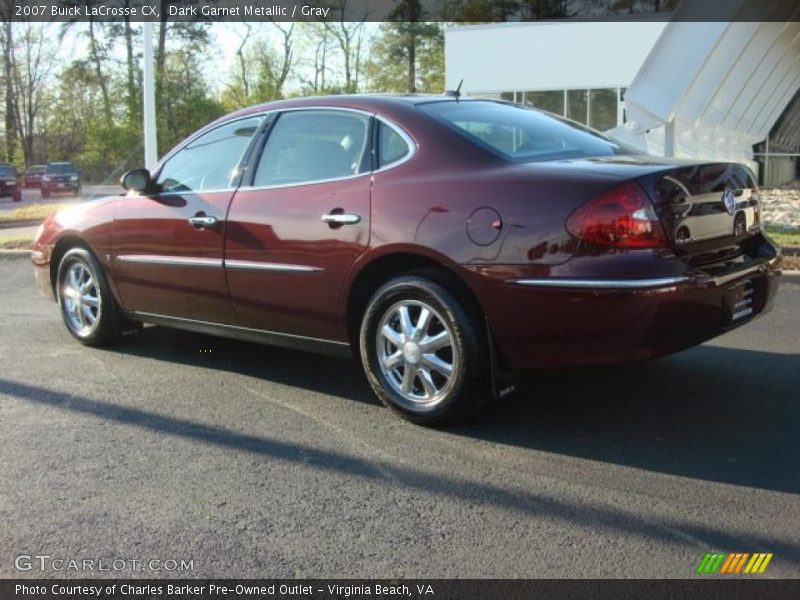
pixel 708 209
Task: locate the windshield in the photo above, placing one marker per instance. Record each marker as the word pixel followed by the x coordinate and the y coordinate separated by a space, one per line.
pixel 61 168
pixel 6 170
pixel 521 134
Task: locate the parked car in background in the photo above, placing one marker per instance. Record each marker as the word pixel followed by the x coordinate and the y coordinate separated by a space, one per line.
pixel 33 176
pixel 446 242
pixel 10 184
pixel 59 178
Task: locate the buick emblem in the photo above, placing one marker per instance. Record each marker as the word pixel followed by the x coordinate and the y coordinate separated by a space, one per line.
pixel 729 201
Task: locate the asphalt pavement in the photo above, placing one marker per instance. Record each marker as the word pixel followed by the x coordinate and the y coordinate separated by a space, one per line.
pixel 243 460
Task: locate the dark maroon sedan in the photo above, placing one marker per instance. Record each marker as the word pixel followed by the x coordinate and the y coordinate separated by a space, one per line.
pixel 445 242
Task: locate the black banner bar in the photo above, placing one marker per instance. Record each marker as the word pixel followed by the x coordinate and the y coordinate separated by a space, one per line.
pixel 456 11
pixel 413 589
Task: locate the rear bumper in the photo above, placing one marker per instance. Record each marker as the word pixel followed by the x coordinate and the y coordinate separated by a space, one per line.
pixel 60 189
pixel 9 189
pixel 557 322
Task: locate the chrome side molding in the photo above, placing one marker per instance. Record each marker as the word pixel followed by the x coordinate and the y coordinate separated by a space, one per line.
pixel 627 284
pixel 216 263
pixel 172 261
pixel 252 265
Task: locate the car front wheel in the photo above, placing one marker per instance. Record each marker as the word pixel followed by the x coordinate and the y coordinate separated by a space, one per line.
pixel 424 351
pixel 87 305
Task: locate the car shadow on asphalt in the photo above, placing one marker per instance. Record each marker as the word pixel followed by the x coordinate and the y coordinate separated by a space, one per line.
pixel 396 475
pixel 718 414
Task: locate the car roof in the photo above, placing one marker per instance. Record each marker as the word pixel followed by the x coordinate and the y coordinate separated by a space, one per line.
pixel 367 102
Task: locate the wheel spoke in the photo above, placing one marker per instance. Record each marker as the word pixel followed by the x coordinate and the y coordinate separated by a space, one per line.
pixel 437 364
pixel 89 300
pixel 88 314
pixel 431 344
pixel 391 361
pixel 405 322
pixel 73 279
pixel 423 322
pixel 427 382
pixel 86 285
pixel 390 334
pixel 409 375
pixel 79 316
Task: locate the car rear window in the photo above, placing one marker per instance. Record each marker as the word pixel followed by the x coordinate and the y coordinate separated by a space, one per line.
pixel 6 170
pixel 521 134
pixel 61 168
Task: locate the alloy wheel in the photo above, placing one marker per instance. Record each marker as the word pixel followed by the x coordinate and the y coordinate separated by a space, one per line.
pixel 416 353
pixel 82 303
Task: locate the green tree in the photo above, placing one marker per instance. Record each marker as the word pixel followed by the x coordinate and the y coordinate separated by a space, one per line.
pixel 408 54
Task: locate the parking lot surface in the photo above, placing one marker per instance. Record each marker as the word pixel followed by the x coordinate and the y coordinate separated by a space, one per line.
pixel 260 462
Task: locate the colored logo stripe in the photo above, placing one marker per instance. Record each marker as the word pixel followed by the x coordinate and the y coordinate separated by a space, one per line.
pixel 734 563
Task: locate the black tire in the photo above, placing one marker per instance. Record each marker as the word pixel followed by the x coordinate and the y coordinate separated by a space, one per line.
pixel 45 193
pixel 451 398
pixel 106 326
pixel 18 196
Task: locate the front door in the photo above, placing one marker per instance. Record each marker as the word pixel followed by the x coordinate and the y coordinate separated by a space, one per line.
pixel 168 247
pixel 296 230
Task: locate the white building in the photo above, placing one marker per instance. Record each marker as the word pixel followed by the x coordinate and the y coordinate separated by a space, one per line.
pixel 709 90
pixel 579 70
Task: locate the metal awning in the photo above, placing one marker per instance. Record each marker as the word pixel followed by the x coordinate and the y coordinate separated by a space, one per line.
pixel 715 89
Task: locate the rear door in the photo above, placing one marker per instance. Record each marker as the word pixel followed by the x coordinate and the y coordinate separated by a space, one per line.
pixel 298 226
pixel 168 247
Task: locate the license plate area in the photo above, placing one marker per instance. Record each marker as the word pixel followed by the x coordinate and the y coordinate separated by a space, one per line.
pixel 743 301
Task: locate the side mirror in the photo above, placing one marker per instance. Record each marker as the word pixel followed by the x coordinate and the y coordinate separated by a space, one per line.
pixel 137 180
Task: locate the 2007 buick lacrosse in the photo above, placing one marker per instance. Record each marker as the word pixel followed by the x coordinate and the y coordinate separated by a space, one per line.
pixel 443 241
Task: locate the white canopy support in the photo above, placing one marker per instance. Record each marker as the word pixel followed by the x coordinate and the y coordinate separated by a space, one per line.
pixel 714 89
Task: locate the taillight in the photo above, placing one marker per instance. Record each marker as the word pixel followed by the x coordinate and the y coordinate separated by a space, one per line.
pixel 621 218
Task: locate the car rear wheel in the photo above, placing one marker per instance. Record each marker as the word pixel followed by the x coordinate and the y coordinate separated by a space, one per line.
pixel 18 196
pixel 424 352
pixel 87 305
pixel 45 193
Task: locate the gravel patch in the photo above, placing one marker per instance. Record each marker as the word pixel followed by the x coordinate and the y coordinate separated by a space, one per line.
pixel 781 205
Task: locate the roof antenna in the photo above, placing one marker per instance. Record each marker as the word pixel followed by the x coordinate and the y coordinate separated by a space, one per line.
pixel 456 93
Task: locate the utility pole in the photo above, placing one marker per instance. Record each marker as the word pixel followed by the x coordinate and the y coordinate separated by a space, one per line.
pixel 149 99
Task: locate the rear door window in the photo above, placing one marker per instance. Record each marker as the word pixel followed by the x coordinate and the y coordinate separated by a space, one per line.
pixel 306 146
pixel 392 145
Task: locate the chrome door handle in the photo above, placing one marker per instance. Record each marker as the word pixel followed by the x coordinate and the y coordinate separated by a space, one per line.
pixel 201 221
pixel 341 219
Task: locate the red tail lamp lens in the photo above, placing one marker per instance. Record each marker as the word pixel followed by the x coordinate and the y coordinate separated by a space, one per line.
pixel 621 218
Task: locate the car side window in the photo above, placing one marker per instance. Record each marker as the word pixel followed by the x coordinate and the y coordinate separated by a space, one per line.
pixel 211 161
pixel 392 147
pixel 313 145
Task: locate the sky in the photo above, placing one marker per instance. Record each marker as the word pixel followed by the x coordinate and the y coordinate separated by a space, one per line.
pixel 219 65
